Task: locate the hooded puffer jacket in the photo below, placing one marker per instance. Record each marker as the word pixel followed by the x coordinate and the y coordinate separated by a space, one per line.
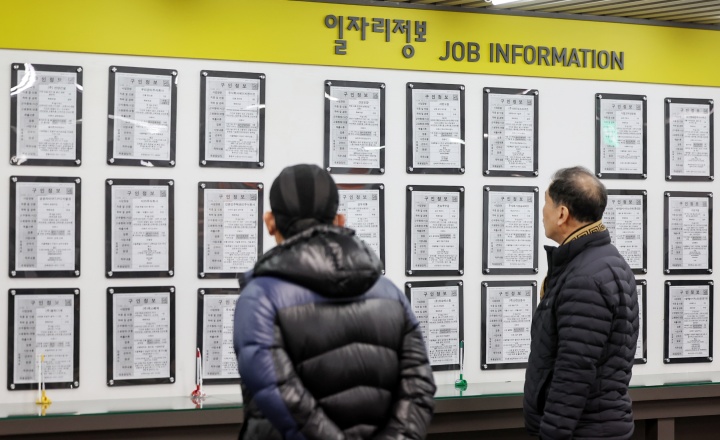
pixel 328 348
pixel 584 334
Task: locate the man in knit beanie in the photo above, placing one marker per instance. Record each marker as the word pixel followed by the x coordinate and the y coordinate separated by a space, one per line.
pixel 301 197
pixel 327 347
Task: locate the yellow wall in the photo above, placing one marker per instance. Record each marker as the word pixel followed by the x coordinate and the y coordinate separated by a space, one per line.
pixel 289 31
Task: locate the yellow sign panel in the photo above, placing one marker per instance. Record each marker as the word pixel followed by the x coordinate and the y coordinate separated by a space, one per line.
pixel 299 32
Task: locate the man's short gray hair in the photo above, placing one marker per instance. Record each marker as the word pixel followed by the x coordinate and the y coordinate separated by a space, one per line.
pixel 580 191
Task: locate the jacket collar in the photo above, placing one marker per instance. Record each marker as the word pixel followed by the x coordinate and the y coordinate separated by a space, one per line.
pixel 582 231
pixel 594 234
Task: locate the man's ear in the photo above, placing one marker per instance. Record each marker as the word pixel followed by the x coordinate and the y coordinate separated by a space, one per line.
pixel 339 220
pixel 269 219
pixel 564 216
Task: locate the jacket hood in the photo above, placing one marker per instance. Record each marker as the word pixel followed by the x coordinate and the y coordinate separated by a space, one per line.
pixel 326 259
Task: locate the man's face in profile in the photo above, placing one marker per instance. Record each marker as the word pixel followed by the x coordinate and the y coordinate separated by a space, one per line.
pixel 550 217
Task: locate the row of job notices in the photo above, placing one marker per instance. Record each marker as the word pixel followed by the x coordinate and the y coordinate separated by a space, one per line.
pixel 45 220
pixel 45 213
pixel 46 119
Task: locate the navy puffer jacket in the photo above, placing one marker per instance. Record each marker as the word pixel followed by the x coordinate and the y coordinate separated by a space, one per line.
pixel 328 348
pixel 584 334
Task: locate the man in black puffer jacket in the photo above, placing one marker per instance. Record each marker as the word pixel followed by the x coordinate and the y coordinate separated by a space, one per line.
pixel 585 329
pixel 327 347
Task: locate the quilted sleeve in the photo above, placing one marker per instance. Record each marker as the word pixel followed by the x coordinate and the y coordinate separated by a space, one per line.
pixel 414 404
pixel 268 373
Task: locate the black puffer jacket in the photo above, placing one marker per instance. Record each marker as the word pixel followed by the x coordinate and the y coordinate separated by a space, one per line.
pixel 584 334
pixel 327 348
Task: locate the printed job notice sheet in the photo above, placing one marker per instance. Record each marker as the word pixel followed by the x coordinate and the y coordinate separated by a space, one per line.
pixel 140 228
pixel 688 233
pixel 143 116
pixel 219 360
pixel 624 217
pixel 689 139
pixel 355 118
pixel 689 321
pixel 511 223
pixel 621 136
pixel 511 132
pixel 141 335
pixel 44 325
pixel 437 124
pixel 232 119
pixel 508 316
pixel 46 115
pixel 640 350
pixel 362 212
pixel 438 312
pixel 45 226
pixel 435 230
pixel 230 230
